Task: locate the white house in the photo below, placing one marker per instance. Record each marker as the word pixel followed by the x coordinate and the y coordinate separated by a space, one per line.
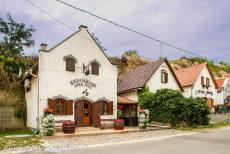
pixel 155 75
pixel 75 79
pixel 198 81
pixel 223 91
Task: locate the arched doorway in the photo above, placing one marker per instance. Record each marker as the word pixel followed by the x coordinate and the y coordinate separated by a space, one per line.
pixel 82 112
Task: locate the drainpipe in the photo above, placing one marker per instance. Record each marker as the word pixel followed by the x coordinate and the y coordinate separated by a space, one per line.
pixel 31 73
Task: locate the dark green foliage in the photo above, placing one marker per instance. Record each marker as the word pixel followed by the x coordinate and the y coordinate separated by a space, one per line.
pixel 170 106
pixel 15 35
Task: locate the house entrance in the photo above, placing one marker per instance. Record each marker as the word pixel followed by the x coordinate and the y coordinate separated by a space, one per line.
pixel 82 112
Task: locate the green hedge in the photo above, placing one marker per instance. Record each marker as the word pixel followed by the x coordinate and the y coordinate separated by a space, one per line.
pixel 170 106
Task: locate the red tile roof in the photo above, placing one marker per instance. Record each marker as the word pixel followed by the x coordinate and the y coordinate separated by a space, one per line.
pixel 188 76
pixel 138 77
pixel 220 83
pixel 124 100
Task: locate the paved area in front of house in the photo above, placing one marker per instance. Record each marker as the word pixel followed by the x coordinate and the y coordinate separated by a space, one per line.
pixel 83 143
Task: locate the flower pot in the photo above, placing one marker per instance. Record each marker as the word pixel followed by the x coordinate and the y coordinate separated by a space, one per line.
pixel 119 124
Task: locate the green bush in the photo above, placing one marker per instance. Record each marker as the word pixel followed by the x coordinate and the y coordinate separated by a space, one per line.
pixel 170 106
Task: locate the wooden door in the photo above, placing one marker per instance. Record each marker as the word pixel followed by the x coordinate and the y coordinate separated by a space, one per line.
pixel 78 112
pixel 86 120
pixel 97 110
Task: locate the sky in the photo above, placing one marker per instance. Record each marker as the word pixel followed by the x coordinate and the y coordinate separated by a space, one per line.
pixel 201 27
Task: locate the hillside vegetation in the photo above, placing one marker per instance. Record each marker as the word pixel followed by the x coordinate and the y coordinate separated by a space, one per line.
pixel 131 59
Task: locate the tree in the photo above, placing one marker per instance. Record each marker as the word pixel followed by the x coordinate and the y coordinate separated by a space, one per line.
pixel 131 53
pixel 15 36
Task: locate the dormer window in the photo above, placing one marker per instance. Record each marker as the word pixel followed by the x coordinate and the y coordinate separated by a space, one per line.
pixel 164 76
pixel 95 67
pixel 70 63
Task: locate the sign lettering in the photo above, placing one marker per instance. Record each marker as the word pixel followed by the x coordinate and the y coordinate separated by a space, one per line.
pixel 81 82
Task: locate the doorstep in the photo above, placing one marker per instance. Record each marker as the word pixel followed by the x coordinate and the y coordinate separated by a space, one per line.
pixel 91 131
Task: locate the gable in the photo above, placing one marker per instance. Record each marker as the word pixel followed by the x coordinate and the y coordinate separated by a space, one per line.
pixel 83 38
pixel 138 77
pixel 154 83
pixel 206 73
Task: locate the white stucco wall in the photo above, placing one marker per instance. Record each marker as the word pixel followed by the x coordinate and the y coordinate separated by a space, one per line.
pixel 226 89
pixel 130 95
pixel 32 104
pixel 224 93
pixel 191 91
pixel 220 97
pixel 154 83
pixel 54 80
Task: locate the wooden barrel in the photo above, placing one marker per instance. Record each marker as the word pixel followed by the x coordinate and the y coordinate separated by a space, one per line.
pixel 119 124
pixel 68 127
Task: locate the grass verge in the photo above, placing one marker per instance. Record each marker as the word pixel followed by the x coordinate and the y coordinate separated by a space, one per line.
pixel 205 127
pixel 18 142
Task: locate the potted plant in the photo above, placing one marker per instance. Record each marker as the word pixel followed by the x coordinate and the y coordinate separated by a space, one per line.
pixel 119 123
pixel 47 123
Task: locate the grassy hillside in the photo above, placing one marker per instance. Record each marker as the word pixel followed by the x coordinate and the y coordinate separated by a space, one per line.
pixel 131 60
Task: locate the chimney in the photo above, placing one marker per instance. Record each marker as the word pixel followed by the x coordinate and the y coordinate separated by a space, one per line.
pixel 83 27
pixel 43 47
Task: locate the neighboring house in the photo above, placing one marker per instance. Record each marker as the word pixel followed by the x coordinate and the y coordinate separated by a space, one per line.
pixel 223 91
pixel 198 81
pixel 155 75
pixel 75 79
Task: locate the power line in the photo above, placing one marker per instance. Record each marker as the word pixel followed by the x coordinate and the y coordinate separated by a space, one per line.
pixel 44 11
pixel 132 30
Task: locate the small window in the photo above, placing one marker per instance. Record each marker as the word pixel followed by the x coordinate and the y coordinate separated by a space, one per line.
pixel 95 68
pixel 59 108
pixel 70 64
pixel 164 76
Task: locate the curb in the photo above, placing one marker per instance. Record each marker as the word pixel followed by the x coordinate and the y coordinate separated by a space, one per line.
pixel 102 133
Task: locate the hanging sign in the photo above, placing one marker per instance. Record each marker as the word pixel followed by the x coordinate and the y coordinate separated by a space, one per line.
pixel 81 82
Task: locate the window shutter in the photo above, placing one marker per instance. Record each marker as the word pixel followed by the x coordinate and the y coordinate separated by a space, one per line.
pixel 70 64
pixel 207 82
pixel 51 105
pixel 162 77
pixel 69 107
pixel 202 80
pixel 166 77
pixel 95 68
pixel 110 108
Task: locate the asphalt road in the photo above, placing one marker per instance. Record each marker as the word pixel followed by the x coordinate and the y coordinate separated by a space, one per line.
pixel 215 142
pixel 209 142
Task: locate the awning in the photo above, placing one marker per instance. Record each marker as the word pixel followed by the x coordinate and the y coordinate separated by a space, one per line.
pixel 124 100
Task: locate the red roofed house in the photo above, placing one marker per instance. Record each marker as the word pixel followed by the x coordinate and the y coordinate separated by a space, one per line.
pixel 223 91
pixel 198 81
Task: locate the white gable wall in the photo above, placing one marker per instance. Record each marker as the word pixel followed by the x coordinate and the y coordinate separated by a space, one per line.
pixel 192 91
pixel 224 93
pixel 54 80
pixel 154 83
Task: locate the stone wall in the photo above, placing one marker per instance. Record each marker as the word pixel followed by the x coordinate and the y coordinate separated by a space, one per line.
pixel 8 120
pixel 220 117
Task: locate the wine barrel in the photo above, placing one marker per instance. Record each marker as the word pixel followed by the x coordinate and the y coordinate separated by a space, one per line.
pixel 68 127
pixel 119 124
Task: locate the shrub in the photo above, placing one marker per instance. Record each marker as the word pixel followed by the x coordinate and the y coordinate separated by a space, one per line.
pixel 170 106
pixel 47 124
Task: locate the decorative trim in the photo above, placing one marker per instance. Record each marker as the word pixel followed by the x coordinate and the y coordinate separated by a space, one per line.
pixel 104 99
pixel 60 96
pixel 95 60
pixel 70 56
pixel 83 98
